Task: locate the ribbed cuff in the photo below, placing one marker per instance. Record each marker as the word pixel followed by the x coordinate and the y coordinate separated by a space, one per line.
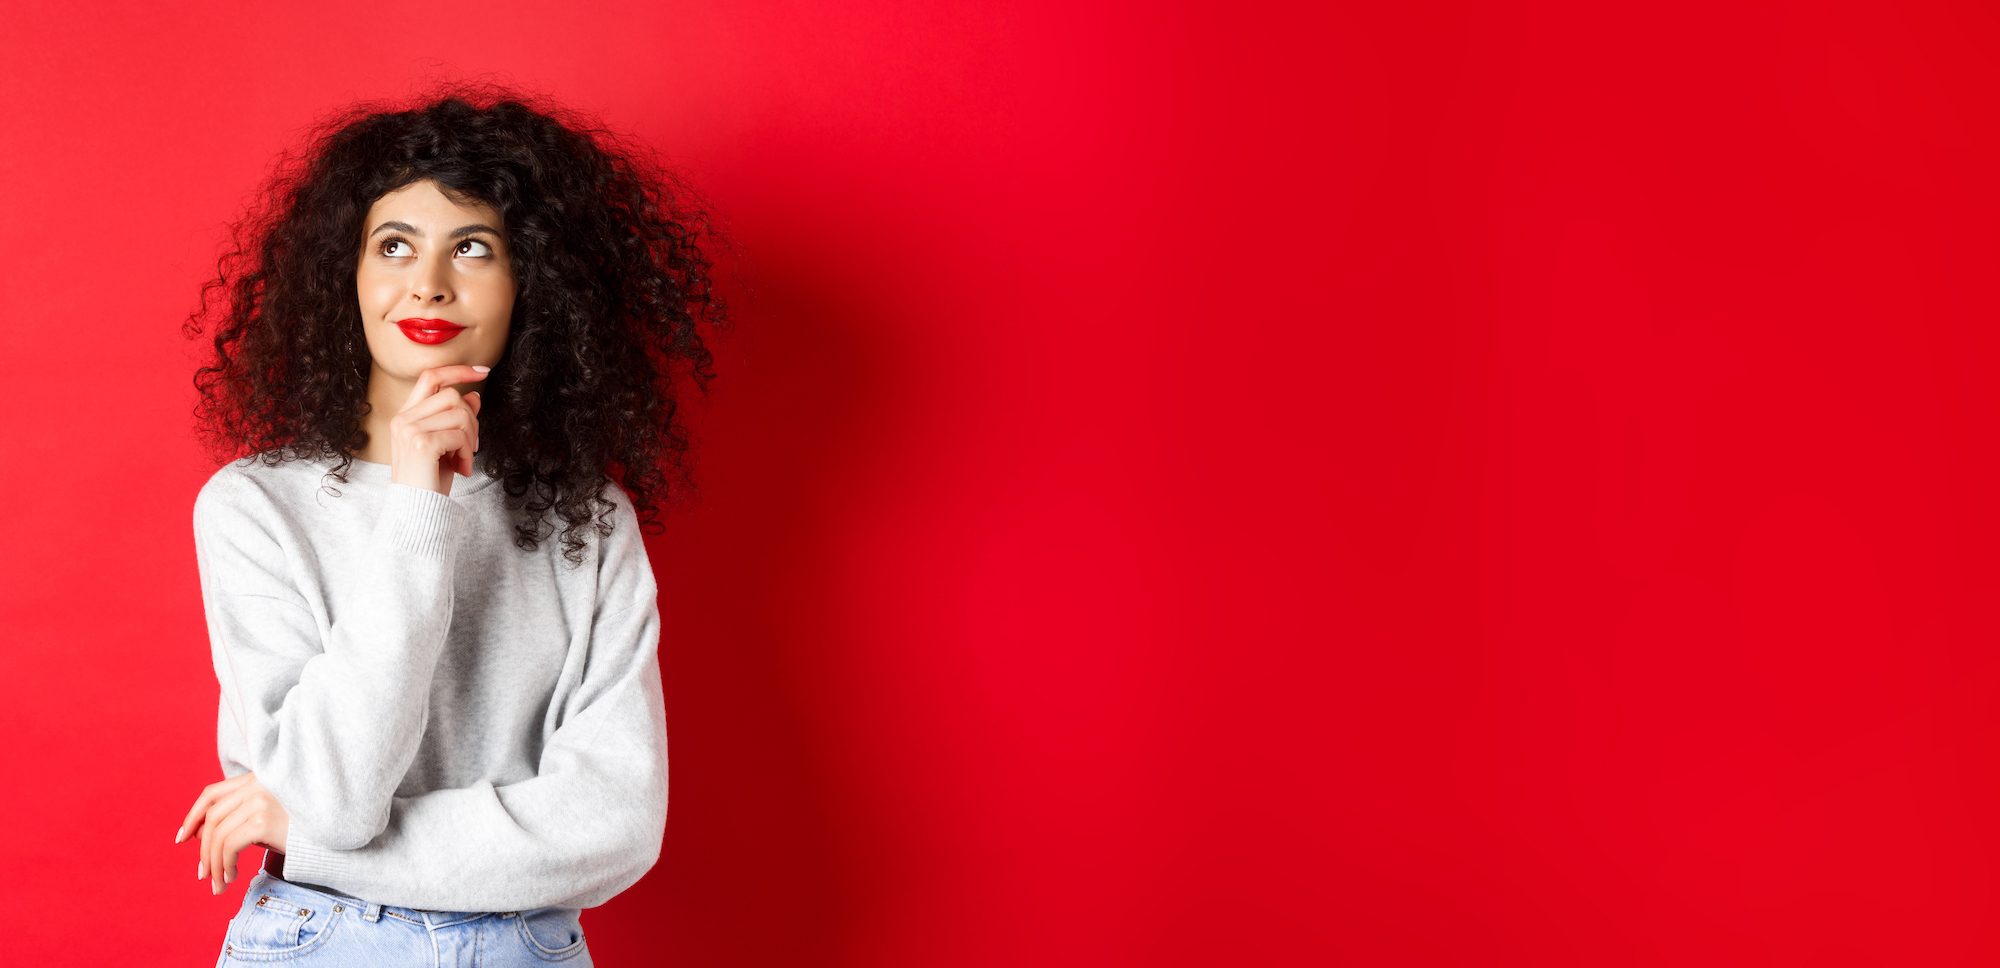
pixel 308 861
pixel 415 520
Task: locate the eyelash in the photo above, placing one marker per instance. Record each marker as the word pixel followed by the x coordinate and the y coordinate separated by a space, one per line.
pixel 385 242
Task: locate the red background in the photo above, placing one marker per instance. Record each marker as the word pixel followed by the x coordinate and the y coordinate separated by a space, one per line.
pixel 1188 485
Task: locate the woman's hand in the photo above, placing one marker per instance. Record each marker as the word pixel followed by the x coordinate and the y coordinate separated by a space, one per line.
pixel 437 431
pixel 232 815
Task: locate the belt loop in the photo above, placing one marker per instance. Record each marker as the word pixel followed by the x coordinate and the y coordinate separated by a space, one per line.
pixel 372 913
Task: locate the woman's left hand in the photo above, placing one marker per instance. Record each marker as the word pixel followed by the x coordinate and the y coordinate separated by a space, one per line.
pixel 234 814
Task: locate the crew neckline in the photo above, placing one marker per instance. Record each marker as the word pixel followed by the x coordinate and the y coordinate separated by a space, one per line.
pixel 370 472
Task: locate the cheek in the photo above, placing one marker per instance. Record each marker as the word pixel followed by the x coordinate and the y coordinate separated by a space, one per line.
pixel 372 291
pixel 504 313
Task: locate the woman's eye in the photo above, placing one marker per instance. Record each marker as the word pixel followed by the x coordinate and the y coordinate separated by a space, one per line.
pixel 484 249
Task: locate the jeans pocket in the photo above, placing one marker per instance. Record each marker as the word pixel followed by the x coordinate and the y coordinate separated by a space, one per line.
pixel 552 933
pixel 274 928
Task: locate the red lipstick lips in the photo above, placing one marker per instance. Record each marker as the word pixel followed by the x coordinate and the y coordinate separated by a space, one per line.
pixel 429 332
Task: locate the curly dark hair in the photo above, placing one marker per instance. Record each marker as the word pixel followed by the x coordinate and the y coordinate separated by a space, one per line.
pixel 611 283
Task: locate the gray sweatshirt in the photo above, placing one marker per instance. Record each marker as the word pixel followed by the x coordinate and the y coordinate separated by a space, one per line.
pixel 450 722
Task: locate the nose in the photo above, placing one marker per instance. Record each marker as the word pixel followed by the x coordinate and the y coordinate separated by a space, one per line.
pixel 431 282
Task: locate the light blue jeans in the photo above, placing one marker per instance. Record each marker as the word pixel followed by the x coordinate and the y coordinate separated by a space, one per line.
pixel 286 922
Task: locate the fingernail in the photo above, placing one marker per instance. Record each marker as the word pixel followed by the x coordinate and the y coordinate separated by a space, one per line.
pixel 215 889
pixel 178 834
pixel 200 870
pixel 483 369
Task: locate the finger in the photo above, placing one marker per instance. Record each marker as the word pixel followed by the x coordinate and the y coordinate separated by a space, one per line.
pixel 211 852
pixel 193 820
pixel 219 818
pixel 453 463
pixel 228 842
pixel 206 865
pixel 414 428
pixel 456 417
pixel 225 803
pixel 445 398
pixel 443 443
pixel 437 377
pixel 459 420
pixel 472 400
pixel 431 379
pixel 217 797
pixel 248 823
pixel 208 795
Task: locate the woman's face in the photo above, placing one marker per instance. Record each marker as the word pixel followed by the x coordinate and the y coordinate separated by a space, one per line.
pixel 432 262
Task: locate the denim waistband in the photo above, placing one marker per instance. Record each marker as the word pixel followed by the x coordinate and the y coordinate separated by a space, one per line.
pixel 369 910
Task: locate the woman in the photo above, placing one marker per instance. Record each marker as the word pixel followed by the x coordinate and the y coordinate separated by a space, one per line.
pixel 446 729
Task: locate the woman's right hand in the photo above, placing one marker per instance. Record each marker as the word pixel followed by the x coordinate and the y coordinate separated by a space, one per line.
pixel 437 431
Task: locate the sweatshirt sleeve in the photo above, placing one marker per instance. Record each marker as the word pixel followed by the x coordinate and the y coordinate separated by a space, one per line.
pixel 330 718
pixel 587 826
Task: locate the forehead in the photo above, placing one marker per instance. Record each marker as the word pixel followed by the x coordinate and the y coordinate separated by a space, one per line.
pixel 425 201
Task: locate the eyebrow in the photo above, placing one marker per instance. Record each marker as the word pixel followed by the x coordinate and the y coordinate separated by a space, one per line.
pixel 455 233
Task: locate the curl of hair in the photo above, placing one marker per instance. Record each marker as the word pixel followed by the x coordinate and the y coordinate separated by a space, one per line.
pixel 611 282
